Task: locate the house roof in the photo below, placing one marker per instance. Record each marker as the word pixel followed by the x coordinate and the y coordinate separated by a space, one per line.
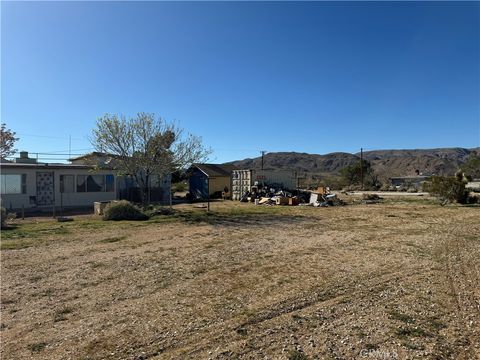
pixel 46 165
pixel 213 170
pixel 89 155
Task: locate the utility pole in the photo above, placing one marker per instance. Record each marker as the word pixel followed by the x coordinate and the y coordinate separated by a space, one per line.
pixel 208 194
pixel 361 166
pixel 263 153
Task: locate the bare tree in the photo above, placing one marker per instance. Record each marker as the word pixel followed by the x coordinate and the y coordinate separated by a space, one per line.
pixel 145 146
pixel 7 142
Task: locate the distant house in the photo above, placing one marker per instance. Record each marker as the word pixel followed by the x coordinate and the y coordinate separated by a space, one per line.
pixel 26 183
pixel 409 181
pixel 209 180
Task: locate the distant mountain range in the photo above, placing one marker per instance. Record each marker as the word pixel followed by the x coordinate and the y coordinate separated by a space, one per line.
pixel 386 163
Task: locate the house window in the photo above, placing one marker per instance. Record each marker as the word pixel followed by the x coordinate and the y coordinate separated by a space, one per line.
pixel 67 183
pixel 95 183
pixel 13 184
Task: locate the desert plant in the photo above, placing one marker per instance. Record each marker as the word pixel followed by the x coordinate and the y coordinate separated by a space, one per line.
pixel 447 189
pixel 385 187
pixel 297 355
pixel 352 175
pixel 179 187
pixel 158 210
pixel 471 168
pixel 123 210
pixel 3 217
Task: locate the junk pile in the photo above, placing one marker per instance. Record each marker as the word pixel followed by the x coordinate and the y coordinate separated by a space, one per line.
pixel 271 197
pixel 322 197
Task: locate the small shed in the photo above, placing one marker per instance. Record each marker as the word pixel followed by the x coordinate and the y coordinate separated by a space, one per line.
pixel 209 180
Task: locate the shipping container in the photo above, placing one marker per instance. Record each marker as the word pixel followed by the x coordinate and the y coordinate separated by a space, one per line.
pixel 243 180
pixel 241 183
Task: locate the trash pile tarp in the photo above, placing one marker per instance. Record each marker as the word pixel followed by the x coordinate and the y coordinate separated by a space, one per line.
pixel 271 197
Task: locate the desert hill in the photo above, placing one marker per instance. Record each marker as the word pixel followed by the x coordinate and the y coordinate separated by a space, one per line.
pixel 387 163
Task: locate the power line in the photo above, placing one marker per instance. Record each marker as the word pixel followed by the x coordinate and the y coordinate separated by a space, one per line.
pixel 251 150
pixel 48 136
pixel 62 151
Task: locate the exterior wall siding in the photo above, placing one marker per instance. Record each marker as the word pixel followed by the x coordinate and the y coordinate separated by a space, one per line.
pixel 217 184
pixel 201 186
pixel 28 200
pixel 198 187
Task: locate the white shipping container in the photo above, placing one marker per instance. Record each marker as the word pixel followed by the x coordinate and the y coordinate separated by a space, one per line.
pixel 284 179
pixel 243 180
pixel 241 183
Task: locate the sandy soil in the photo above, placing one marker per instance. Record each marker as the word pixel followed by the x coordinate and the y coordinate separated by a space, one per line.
pixel 385 281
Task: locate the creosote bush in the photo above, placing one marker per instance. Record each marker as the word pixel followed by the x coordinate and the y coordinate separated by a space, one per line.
pixel 123 210
pixel 3 216
pixel 447 189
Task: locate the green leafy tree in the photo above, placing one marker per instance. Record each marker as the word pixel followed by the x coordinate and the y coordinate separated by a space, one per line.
pixel 7 143
pixel 146 146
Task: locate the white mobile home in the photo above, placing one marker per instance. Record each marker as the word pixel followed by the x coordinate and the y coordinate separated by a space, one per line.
pixel 41 186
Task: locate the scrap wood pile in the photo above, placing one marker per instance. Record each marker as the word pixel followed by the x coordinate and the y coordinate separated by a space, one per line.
pixel 270 197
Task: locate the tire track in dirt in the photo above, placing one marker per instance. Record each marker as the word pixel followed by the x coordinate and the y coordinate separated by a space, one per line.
pixel 299 303
pixel 464 282
pixel 220 334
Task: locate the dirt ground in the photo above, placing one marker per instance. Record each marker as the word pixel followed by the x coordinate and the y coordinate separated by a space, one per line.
pixel 398 280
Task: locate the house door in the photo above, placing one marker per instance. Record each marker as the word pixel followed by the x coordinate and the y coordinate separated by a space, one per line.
pixel 45 189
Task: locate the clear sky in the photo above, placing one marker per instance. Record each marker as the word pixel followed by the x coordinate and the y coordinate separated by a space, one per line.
pixel 313 77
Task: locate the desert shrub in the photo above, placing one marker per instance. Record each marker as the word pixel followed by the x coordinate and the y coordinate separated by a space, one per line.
pixel 371 198
pixel 473 199
pixel 385 187
pixel 297 355
pixel 3 216
pixel 179 187
pixel 123 210
pixel 156 210
pixel 447 189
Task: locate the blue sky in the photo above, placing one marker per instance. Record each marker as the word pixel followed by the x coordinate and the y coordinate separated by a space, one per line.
pixel 313 77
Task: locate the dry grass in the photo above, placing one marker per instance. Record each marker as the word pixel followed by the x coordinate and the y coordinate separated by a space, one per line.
pixel 392 279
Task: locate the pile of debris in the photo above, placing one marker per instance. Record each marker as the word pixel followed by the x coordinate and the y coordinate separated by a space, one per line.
pixel 322 197
pixel 269 196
